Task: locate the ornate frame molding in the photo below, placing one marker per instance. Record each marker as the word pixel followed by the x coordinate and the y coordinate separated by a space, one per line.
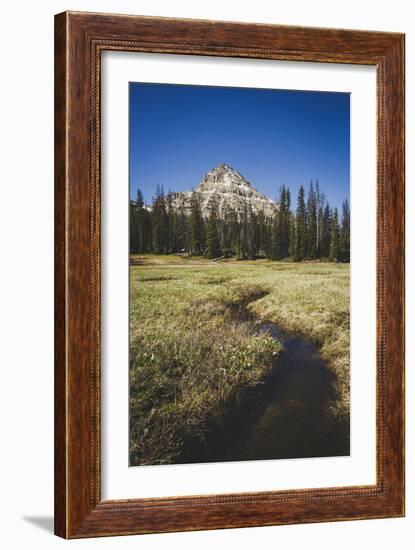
pixel 79 40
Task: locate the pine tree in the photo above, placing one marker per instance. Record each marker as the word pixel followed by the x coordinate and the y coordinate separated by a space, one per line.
pixel 144 223
pixel 335 237
pixel 135 225
pixel 312 223
pixel 221 221
pixel 320 213
pixel 275 236
pixel 225 236
pixel 301 227
pixel 146 230
pixel 266 238
pixel 293 237
pixel 243 233
pixel 170 224
pixel 133 229
pixel 287 224
pixel 182 230
pixel 326 227
pixel 263 244
pixel 263 232
pixel 212 238
pixel 251 234
pixel 234 233
pixel 281 226
pixel 345 233
pixel 197 230
pixel 159 222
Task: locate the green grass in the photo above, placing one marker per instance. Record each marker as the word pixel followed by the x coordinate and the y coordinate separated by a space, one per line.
pixel 194 345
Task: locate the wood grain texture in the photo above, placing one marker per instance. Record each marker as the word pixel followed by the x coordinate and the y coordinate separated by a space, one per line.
pixel 60 277
pixel 79 40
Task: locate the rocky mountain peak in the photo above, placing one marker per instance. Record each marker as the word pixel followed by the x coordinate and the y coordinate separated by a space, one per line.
pixel 229 191
pixel 224 178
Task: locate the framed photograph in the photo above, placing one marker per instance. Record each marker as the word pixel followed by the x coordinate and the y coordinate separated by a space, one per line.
pixel 229 275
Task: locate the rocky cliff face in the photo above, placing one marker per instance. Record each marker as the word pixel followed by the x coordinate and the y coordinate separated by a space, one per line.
pixel 229 191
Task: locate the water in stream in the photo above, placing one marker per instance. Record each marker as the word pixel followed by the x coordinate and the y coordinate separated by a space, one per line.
pixel 284 417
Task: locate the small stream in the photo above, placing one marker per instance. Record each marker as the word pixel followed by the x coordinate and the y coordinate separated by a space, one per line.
pixel 286 416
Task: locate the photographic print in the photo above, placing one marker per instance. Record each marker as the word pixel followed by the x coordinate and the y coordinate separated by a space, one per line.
pixel 239 274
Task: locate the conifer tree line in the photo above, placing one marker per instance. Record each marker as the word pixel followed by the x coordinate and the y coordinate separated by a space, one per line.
pixel 308 230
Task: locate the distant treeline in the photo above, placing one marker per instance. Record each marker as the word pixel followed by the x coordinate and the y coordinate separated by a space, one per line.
pixel 313 231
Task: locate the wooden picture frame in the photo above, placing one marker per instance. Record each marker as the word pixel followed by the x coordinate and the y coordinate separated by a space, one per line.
pixel 79 40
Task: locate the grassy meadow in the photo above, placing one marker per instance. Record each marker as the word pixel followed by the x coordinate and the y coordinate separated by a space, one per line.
pixel 194 344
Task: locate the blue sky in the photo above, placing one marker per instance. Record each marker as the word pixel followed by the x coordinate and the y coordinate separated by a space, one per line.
pixel 272 137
